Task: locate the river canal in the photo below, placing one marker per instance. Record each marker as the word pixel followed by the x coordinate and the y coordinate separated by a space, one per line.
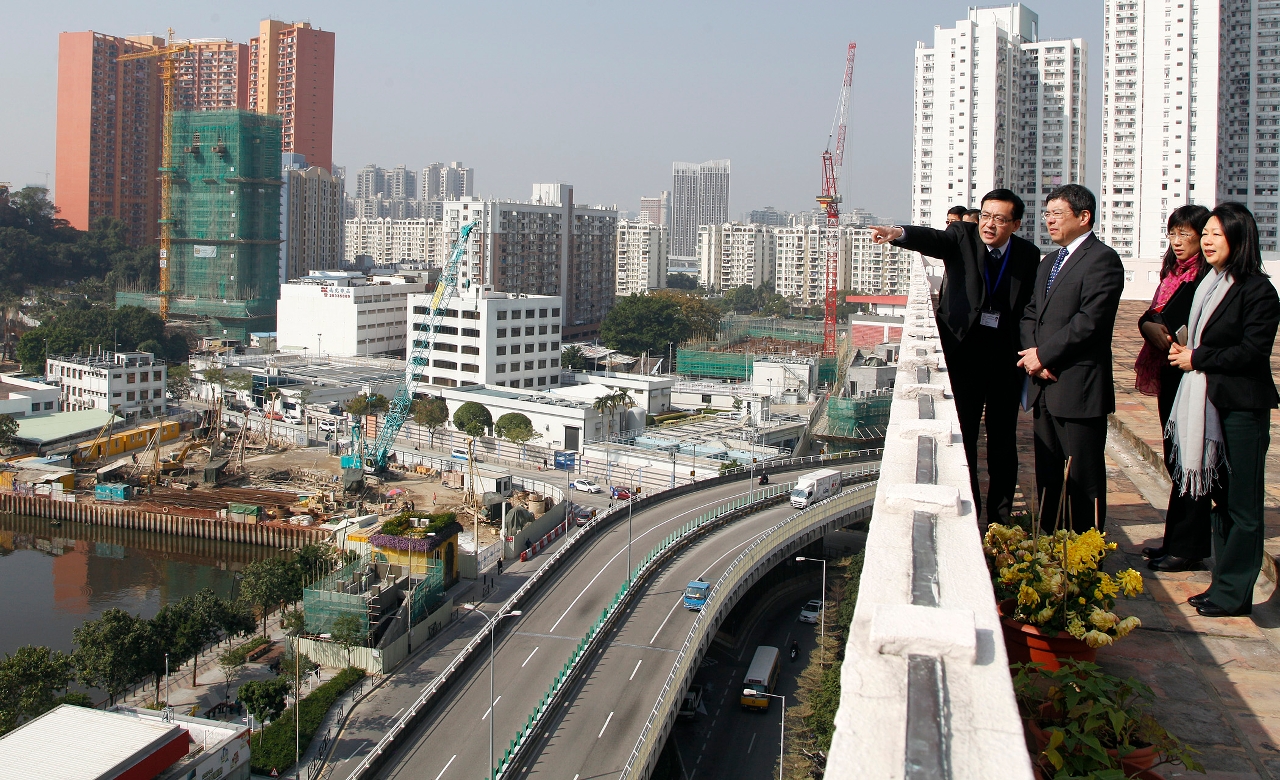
pixel 53 578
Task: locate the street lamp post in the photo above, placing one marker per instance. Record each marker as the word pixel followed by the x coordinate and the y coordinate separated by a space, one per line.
pixel 822 619
pixel 782 742
pixel 493 622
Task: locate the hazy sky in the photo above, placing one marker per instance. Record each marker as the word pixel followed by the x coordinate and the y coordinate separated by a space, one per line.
pixel 602 95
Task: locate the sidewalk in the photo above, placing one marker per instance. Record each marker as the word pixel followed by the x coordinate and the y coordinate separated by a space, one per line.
pixel 1216 681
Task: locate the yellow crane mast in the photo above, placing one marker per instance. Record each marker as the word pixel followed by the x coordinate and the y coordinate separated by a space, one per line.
pixel 168 68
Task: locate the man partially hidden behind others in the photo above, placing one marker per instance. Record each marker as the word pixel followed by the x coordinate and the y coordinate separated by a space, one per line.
pixel 989 272
pixel 1066 339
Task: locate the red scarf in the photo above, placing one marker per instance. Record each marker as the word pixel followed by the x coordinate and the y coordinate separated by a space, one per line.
pixel 1149 360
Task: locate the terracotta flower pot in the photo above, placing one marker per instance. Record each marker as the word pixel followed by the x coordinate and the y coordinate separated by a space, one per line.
pixel 1137 761
pixel 1025 643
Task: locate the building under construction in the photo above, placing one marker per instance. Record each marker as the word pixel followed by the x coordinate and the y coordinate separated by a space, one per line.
pixel 743 340
pixel 224 268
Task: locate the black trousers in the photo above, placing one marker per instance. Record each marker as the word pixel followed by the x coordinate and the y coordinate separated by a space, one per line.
pixel 1084 441
pixel 986 381
pixel 1238 527
pixel 1187 528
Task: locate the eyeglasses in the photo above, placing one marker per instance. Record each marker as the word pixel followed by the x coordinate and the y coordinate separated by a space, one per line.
pixel 999 220
pixel 1186 235
pixel 1058 214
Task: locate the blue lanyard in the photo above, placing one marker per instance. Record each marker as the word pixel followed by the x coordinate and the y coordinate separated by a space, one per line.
pixel 986 277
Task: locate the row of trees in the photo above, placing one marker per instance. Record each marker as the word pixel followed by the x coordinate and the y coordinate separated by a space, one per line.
pixel 654 321
pixel 79 326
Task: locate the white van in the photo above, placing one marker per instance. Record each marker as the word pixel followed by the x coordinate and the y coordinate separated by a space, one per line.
pixel 814 487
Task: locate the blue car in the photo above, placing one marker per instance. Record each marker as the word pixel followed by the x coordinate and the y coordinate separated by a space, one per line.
pixel 695 595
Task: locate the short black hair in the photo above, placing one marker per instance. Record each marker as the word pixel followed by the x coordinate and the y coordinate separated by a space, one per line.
pixel 1241 231
pixel 972 213
pixel 1188 216
pixel 957 211
pixel 1007 196
pixel 1079 198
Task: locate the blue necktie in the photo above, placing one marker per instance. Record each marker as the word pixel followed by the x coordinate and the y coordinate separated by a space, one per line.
pixel 1057 266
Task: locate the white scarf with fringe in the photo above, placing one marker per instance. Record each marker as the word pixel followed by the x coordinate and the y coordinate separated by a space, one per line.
pixel 1194 426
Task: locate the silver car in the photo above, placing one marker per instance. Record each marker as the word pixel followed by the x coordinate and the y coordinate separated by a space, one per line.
pixel 809 612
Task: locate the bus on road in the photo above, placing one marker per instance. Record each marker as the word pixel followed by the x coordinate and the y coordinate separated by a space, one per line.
pixel 761 676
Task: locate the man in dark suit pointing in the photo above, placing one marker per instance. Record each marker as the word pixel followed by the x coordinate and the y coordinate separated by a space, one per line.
pixel 989 273
pixel 1066 340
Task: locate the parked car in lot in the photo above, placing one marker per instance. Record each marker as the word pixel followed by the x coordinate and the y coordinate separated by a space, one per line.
pixel 459 453
pixel 586 485
pixel 620 493
pixel 273 415
pixel 690 703
pixel 809 612
pixel 583 514
pixel 328 425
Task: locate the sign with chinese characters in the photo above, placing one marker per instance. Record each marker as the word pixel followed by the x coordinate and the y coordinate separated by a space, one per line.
pixel 206 251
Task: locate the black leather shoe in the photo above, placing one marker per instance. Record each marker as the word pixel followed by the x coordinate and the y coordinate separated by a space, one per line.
pixel 1208 609
pixel 1174 563
pixel 1153 552
pixel 1198 599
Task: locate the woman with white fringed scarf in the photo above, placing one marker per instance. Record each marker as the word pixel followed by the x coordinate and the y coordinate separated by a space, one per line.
pixel 1220 422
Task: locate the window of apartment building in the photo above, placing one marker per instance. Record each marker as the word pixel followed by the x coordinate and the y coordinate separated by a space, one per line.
pixel 48 405
pixel 471 350
pixel 515 349
pixel 555 312
pixel 501 368
pixel 528 331
pixel 528 382
pixel 471 368
pixel 131 378
pixel 528 314
pixel 542 330
pixel 129 396
pixel 542 312
pixel 419 309
pixel 115 395
pixel 501 334
pixel 502 315
pixel 502 350
pixel 555 380
pixel 555 345
pixel 515 314
pixel 471 333
pixel 471 315
pixel 451 313
pixel 555 362
pixel 542 363
pixel 35 407
pixel 528 365
pixel 449 364
pixel 155 376
pixel 542 380
pixel 115 376
pixel 157 393
pixel 528 348
pixel 443 347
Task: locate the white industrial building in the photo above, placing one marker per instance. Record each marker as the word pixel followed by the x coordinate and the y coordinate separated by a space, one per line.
pixel 996 107
pixel 345 313
pixel 25 398
pixel 490 338
pixel 131 384
pixel 641 256
pixel 732 255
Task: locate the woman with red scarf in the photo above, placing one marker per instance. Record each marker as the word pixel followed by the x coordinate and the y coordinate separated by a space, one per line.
pixel 1186 522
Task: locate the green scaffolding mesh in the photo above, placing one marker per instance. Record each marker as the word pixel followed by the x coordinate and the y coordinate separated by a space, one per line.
pixel 345 593
pixel 738 328
pixel 709 363
pixel 845 416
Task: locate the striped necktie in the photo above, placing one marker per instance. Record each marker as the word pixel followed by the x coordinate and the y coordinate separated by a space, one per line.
pixel 1057 266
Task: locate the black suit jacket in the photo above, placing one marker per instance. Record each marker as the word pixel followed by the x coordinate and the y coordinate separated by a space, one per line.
pixel 1235 346
pixel 1071 327
pixel 964 291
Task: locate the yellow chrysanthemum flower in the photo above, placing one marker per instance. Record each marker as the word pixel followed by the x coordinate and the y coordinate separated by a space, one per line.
pixel 1107 587
pixel 1103 620
pixel 1131 581
pixel 1028 596
pixel 1097 639
pixel 1126 625
pixel 1076 628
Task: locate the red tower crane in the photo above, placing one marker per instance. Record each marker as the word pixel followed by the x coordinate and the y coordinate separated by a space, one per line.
pixel 830 201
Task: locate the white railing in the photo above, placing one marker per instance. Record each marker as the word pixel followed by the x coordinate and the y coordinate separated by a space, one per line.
pixel 925 685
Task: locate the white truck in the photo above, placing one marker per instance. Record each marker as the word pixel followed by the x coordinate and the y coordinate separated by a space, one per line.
pixel 814 487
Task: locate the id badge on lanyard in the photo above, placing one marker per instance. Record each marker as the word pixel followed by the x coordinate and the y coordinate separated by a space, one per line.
pixel 990 318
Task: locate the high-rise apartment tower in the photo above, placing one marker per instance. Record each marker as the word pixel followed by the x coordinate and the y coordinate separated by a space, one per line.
pixel 700 196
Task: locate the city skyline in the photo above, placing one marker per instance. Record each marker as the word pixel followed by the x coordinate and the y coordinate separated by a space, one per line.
pixel 620 150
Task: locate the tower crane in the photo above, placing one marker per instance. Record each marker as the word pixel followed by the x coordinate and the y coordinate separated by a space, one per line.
pixel 375 457
pixel 829 200
pixel 168 68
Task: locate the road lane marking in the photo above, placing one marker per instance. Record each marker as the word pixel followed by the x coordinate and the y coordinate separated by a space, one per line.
pixel 623 551
pixel 753 742
pixel 529 658
pixel 605 726
pixel 717 560
pixel 633 671
pixel 455 755
pixel 495 703
pixel 547 636
pixel 398 712
pixel 644 647
pixel 665 619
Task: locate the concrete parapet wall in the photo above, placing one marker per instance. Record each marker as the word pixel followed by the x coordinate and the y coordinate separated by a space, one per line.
pixel 925 681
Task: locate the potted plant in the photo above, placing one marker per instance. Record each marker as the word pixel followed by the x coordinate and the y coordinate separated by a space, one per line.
pixel 1055 599
pixel 1085 722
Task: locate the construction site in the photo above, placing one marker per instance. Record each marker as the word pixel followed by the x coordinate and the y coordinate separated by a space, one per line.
pixel 744 340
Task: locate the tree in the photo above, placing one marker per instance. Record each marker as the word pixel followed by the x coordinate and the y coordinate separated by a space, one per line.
pixel 515 427
pixel 678 281
pixel 379 403
pixel 473 419
pixel 8 429
pixel 430 413
pixel 218 378
pixel 30 681
pixel 231 662
pixel 268 584
pixel 348 632
pixel 571 357
pixel 368 404
pixel 178 381
pixel 294 621
pixel 312 562
pixel 644 323
pixel 239 381
pixel 111 651
pixel 264 699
